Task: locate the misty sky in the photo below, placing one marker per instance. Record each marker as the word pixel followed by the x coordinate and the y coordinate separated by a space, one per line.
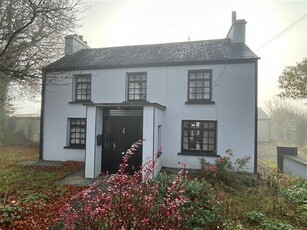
pixel 269 33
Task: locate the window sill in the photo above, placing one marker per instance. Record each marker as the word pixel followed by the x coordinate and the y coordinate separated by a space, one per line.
pixel 74 147
pixel 202 154
pixel 200 102
pixel 79 102
pixel 135 101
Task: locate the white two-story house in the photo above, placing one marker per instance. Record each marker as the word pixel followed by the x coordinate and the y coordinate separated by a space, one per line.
pixel 196 99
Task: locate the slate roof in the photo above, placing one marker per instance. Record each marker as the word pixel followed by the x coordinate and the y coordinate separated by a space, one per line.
pixel 168 54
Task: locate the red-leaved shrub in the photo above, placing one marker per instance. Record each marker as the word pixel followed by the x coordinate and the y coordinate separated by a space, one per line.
pixel 123 201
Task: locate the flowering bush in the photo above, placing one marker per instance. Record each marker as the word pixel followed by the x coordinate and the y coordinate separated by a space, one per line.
pixel 224 169
pixel 128 203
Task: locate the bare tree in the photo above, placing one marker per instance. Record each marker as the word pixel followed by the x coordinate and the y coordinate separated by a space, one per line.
pixel 287 123
pixel 31 35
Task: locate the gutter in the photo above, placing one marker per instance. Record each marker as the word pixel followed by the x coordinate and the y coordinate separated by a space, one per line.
pixel 256 119
pixel 41 134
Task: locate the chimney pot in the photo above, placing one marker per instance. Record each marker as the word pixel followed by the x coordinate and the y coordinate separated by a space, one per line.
pixel 234 16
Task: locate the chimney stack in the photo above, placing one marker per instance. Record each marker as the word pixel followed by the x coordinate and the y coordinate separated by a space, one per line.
pixel 237 30
pixel 74 43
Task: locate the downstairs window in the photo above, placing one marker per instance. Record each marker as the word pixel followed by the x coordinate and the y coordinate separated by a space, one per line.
pixel 199 137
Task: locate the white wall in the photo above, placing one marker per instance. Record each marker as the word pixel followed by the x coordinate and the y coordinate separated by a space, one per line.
pixel 234 108
pixel 159 118
pixel 295 166
pixel 90 156
pixel 57 110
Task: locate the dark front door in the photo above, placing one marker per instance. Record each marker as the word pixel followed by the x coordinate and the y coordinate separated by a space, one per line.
pixel 119 134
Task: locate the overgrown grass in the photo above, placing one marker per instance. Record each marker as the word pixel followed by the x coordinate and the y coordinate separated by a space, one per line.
pixel 270 201
pixel 278 199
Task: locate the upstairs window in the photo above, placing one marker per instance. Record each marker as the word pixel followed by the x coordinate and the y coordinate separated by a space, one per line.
pixel 77 134
pixel 137 86
pixel 200 86
pixel 199 136
pixel 83 88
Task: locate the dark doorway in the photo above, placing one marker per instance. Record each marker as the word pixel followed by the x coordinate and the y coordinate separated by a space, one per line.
pixel 120 131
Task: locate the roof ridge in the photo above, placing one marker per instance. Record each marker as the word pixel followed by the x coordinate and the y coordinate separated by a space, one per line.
pixel 157 44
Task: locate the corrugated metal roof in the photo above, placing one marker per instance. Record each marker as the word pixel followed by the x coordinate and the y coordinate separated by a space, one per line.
pixel 181 53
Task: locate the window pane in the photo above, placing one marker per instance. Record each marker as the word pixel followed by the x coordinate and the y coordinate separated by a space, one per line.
pixel 211 125
pixel 192 75
pixel 199 96
pixel 199 84
pixel 199 75
pixel 207 75
pixel 205 148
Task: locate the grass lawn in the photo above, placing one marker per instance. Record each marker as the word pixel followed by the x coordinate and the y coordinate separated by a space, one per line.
pixel 30 197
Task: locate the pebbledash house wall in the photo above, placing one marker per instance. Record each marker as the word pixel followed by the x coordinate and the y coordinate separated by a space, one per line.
pixel 234 109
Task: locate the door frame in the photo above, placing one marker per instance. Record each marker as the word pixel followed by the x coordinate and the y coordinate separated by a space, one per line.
pixel 127 117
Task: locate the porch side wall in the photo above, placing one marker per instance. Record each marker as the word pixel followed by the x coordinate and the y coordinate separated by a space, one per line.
pixel 90 156
pixel 158 134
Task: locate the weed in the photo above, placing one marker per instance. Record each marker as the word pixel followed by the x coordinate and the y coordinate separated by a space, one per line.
pixel 226 171
pixel 9 213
